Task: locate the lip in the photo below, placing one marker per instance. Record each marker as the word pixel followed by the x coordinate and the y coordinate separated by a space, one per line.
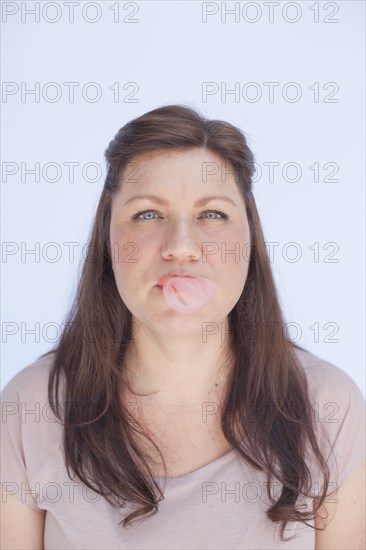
pixel 174 274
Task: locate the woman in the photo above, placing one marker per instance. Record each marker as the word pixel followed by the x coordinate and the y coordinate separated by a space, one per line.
pixel 154 427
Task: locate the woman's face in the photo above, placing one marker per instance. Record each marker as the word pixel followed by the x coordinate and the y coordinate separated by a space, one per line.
pixel 179 230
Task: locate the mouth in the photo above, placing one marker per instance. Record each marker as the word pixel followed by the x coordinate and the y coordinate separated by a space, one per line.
pixel 162 280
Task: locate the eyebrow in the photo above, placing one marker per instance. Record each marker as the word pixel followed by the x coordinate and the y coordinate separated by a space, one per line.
pixel 199 202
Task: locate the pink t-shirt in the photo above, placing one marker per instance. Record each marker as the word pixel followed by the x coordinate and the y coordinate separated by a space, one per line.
pixel 219 506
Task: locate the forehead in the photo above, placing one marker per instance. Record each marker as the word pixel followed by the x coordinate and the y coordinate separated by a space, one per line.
pixel 190 165
pixel 181 153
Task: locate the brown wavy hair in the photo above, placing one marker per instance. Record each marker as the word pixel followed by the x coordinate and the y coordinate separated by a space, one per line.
pixel 99 446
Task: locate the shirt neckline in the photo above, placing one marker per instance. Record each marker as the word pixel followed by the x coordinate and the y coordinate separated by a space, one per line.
pixel 179 480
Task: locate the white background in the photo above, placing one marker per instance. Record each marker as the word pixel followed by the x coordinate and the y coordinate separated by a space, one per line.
pixel 169 52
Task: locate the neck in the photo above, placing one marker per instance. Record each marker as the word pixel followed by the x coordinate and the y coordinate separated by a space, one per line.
pixel 177 373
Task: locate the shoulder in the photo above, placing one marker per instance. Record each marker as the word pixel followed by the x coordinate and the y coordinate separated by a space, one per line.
pixel 31 381
pixel 27 393
pixel 327 381
pixel 30 434
pixel 338 407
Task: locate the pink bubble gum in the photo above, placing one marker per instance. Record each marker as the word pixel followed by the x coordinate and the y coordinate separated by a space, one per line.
pixel 186 294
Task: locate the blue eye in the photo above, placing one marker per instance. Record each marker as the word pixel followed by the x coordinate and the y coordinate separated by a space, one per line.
pixel 136 216
pixel 224 216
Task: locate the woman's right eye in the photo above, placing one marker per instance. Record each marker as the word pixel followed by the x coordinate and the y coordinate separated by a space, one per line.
pixel 136 216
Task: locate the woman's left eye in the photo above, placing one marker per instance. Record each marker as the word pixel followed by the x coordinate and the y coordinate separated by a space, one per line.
pixel 223 216
pixel 138 214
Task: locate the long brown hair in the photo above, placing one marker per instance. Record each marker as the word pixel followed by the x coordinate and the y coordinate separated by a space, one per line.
pixel 99 446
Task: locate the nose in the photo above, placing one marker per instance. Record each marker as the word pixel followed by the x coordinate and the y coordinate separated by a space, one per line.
pixel 181 241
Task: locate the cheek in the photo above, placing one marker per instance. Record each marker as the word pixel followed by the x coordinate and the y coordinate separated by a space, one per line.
pixel 232 250
pixel 123 252
pixel 232 262
pixel 130 252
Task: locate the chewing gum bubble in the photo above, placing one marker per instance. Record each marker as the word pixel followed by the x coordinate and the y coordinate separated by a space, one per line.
pixel 186 294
